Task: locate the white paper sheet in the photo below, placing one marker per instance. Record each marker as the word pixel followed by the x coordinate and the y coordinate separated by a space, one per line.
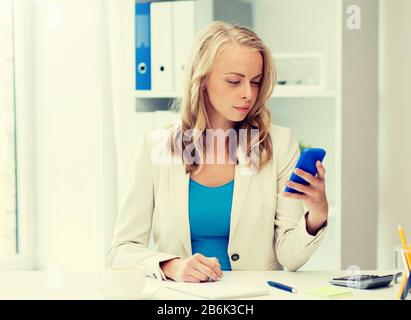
pixel 218 289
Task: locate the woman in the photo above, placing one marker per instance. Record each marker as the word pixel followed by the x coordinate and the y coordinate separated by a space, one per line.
pixel 230 214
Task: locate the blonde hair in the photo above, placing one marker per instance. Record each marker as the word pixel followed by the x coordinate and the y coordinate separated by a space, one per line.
pixel 209 43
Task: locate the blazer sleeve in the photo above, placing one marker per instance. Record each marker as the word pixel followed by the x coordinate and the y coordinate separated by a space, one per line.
pixel 293 244
pixel 133 224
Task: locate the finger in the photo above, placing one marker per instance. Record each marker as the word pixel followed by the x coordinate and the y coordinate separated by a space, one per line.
pixel 209 272
pixel 218 271
pixel 198 275
pixel 321 169
pixel 306 176
pixel 295 195
pixel 216 260
pixel 212 263
pixel 217 266
pixel 189 278
pixel 299 187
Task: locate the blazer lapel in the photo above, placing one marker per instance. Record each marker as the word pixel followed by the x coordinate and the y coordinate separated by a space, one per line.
pixel 178 193
pixel 242 179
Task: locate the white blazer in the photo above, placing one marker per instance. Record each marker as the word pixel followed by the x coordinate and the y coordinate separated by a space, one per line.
pixel 267 230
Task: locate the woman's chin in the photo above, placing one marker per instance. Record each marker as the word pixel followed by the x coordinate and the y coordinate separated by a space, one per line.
pixel 237 117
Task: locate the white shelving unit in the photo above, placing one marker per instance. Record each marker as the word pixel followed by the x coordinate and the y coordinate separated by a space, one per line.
pixel 338 118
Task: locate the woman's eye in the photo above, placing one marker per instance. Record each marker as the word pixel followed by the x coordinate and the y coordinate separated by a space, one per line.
pixel 255 83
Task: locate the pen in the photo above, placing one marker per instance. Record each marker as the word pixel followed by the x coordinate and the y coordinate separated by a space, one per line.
pixel 404 245
pixel 406 281
pixel 282 286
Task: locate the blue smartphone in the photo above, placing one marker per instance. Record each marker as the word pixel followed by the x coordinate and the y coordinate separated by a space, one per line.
pixel 306 162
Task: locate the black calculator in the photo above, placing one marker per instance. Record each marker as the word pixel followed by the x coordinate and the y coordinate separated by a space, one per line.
pixel 363 281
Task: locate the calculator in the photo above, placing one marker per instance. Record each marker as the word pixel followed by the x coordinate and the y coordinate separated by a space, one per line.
pixel 364 281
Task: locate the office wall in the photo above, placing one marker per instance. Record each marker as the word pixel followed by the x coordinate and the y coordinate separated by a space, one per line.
pixel 75 187
pixel 394 127
pixel 74 156
pixel 359 132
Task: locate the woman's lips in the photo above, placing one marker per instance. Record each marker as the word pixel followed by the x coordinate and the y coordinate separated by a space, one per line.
pixel 242 109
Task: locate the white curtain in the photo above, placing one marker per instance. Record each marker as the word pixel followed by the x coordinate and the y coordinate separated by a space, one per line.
pixel 7 133
pixel 128 124
pixel 121 99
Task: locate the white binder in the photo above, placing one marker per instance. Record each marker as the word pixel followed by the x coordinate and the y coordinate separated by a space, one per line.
pixel 162 61
pixel 184 30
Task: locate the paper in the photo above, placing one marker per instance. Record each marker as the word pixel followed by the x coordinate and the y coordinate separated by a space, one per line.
pixel 331 292
pixel 218 289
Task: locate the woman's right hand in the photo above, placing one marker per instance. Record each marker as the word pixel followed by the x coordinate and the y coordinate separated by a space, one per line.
pixel 196 268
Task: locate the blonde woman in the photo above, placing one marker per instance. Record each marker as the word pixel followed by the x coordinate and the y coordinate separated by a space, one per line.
pixel 209 216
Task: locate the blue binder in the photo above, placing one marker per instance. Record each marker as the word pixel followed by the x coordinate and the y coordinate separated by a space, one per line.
pixel 142 34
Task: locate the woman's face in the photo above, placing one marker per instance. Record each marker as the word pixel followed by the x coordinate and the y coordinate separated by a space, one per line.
pixel 233 85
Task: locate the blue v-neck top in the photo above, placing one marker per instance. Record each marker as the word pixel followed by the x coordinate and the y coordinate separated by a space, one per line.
pixel 210 214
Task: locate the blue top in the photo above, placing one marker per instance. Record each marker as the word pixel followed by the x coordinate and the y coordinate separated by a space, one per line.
pixel 210 213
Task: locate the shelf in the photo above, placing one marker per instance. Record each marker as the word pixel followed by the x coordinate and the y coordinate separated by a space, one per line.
pixel 151 94
pixel 302 93
pixel 278 93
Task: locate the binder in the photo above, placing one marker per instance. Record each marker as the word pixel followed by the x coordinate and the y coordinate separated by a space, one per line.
pixel 184 30
pixel 161 27
pixel 143 52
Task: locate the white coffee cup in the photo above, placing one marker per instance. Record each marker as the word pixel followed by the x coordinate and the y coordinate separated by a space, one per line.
pixel 124 280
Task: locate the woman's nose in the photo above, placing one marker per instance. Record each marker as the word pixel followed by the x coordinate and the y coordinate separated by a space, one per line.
pixel 246 93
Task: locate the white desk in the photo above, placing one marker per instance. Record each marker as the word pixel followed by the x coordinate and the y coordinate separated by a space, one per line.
pixel 80 284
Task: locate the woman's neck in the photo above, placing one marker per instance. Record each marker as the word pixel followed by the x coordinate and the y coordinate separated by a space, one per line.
pixel 221 123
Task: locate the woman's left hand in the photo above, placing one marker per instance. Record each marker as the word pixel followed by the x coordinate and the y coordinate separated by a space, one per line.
pixel 314 196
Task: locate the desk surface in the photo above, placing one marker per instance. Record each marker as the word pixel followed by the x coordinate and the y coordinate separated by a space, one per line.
pixel 57 284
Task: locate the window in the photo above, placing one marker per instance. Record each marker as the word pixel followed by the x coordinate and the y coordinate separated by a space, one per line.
pixel 8 185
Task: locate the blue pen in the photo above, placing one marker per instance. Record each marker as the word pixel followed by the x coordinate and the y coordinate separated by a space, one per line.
pixel 282 286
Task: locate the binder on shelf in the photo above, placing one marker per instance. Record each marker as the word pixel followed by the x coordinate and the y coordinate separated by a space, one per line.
pixel 162 61
pixel 184 31
pixel 143 54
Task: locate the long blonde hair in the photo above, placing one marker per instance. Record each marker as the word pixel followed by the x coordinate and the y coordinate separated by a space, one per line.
pixel 209 43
